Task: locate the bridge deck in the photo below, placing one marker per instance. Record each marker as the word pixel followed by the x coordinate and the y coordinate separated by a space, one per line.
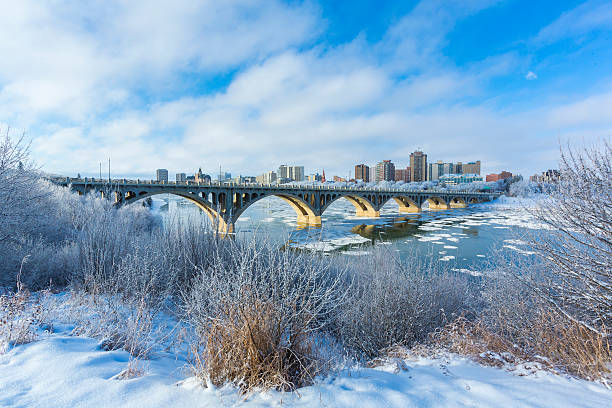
pixel 225 202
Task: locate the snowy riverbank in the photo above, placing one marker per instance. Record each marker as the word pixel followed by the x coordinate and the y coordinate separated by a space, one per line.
pixel 61 370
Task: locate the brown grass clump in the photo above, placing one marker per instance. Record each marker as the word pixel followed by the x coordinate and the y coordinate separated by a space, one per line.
pixel 557 343
pixel 252 347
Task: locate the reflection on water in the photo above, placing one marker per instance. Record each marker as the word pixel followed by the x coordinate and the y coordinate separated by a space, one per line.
pixel 463 237
pixel 398 228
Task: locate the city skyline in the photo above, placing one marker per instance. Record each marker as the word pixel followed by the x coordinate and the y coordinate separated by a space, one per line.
pixel 320 84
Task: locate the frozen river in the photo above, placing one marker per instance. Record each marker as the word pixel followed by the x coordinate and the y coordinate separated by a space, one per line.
pixel 463 237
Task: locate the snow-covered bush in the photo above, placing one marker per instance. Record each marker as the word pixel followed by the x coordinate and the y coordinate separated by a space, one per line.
pixel 257 313
pixel 397 303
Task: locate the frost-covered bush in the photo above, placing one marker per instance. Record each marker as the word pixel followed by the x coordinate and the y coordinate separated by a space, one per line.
pixel 257 312
pixel 394 303
pixel 577 252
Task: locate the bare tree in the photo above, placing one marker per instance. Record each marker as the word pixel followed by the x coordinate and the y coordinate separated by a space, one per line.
pixel 18 193
pixel 577 252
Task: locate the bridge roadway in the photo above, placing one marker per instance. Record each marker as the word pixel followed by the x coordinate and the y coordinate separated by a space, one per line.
pixel 225 202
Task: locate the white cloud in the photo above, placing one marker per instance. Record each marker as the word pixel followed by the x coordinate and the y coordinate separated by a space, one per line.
pixel 77 76
pixel 590 15
pixel 531 76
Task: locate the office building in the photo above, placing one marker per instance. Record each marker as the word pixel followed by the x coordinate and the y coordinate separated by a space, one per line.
pixel 385 171
pixel 181 177
pixel 283 171
pixel 418 166
pixel 226 176
pixel 440 168
pixel 296 173
pixel 362 172
pixel 403 175
pixel 162 175
pixel 267 178
pixel 471 168
pixel 501 176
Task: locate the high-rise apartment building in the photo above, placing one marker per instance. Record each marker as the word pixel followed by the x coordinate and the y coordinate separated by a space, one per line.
pixel 181 177
pixel 438 169
pixel 283 171
pixel 362 172
pixel 296 173
pixel 161 175
pixel 418 166
pixel 385 171
pixel 402 175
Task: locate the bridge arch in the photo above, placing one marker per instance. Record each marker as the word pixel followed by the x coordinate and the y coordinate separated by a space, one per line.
pixel 458 202
pixel 363 206
pixel 304 211
pixel 406 204
pixel 215 218
pixel 437 203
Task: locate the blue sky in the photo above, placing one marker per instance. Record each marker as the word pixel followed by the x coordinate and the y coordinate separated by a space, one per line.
pixel 250 85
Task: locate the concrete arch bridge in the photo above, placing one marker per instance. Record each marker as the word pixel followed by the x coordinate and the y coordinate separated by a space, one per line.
pixel 225 202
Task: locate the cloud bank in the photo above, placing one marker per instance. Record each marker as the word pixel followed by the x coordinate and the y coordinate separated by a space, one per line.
pixel 251 85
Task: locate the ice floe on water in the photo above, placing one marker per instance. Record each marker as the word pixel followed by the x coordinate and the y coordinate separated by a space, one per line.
pixel 430 238
pixel 468 271
pixel 447 258
pixel 450 247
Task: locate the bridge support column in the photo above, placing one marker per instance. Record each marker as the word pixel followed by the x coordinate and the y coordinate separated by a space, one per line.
pixel 440 206
pixel 412 209
pixel 458 205
pixel 370 213
pixel 309 220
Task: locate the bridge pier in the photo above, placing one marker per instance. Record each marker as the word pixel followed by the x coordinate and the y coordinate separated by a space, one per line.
pixel 436 203
pixel 309 220
pixel 410 210
pixel 368 212
pixel 458 205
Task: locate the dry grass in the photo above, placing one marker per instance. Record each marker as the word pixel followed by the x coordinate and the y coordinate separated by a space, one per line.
pixel 556 343
pixel 251 347
pixel 18 317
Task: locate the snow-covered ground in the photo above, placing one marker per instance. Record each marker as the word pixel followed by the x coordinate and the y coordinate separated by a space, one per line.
pixel 60 370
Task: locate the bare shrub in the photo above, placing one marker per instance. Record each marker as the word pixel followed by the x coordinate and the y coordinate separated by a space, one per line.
pixel 257 312
pixel 550 339
pixel 517 325
pixel 395 303
pixel 18 316
pixel 577 253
